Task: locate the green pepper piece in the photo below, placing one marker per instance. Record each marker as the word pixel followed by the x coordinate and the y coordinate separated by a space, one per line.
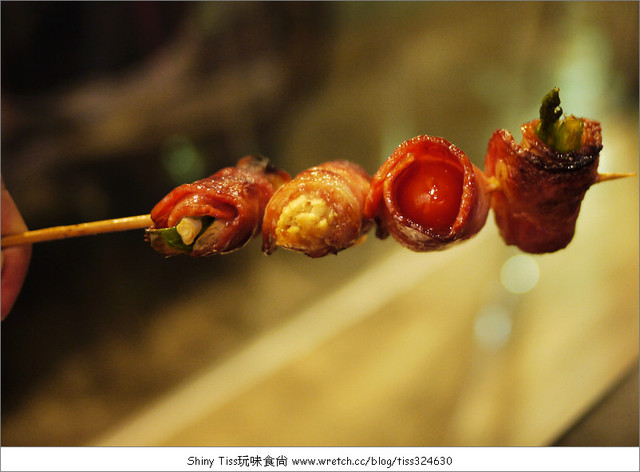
pixel 168 242
pixel 563 135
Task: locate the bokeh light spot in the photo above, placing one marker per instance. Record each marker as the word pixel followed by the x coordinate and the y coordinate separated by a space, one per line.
pixel 182 160
pixel 520 273
pixel 492 328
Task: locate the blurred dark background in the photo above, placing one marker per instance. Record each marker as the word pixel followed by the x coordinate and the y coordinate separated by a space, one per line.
pixel 106 106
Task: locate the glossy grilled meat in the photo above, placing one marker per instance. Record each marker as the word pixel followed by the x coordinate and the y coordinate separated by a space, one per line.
pixel 319 212
pixel 540 190
pixel 428 195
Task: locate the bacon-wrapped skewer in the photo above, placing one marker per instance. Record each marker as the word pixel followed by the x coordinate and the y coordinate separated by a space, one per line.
pixel 542 181
pixel 319 212
pixel 428 195
pixel 218 214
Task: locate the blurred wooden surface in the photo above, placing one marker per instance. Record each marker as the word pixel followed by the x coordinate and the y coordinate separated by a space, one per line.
pixel 415 371
pixel 612 421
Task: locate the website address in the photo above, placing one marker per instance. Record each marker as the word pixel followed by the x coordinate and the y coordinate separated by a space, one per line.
pixel 376 461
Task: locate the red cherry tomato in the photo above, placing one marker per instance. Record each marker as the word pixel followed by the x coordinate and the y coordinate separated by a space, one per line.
pixel 429 192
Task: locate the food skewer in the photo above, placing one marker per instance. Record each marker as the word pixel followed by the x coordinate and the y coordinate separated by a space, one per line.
pixel 550 170
pixel 81 229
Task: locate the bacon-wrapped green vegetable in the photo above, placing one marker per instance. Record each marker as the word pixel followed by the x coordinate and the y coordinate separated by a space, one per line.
pixel 218 214
pixel 541 182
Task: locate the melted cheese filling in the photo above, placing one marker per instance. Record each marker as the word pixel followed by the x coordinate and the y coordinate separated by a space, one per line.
pixel 304 222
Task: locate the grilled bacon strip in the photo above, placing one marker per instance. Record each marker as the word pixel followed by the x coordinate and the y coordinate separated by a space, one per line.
pixel 319 212
pixel 428 195
pixel 542 181
pixel 218 214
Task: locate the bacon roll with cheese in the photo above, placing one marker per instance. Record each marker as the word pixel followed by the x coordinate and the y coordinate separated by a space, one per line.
pixel 218 214
pixel 319 212
pixel 428 195
pixel 542 181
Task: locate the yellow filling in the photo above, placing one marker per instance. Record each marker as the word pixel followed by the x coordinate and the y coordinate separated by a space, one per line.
pixel 304 222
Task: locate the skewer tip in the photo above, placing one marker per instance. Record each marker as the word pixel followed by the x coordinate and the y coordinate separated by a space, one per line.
pixel 613 176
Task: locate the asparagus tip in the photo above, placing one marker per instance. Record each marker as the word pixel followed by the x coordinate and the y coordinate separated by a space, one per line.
pixel 564 135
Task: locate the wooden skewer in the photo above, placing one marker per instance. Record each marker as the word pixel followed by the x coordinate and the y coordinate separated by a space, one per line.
pixel 613 176
pixel 82 229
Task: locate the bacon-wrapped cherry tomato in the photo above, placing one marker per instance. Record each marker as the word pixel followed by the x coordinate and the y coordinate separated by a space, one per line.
pixel 428 195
